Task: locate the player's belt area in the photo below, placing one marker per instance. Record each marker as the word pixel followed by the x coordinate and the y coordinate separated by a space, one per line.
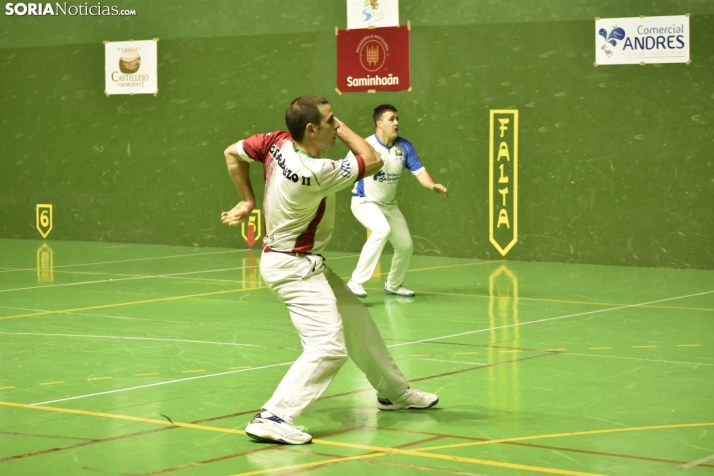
pixel 291 253
pixel 267 249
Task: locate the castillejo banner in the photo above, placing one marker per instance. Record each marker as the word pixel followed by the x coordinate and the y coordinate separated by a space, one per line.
pixel 374 59
pixel 130 67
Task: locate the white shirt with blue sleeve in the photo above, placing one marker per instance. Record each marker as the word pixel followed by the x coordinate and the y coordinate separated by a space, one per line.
pixel 382 186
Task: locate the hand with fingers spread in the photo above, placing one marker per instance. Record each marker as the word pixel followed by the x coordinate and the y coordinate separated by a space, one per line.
pixel 237 214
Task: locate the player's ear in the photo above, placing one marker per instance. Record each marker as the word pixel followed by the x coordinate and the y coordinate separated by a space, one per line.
pixel 310 129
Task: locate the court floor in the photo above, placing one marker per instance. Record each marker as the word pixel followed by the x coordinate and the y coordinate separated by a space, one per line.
pixel 142 359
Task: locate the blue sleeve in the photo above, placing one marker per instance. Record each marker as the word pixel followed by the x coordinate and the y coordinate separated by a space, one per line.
pixel 411 159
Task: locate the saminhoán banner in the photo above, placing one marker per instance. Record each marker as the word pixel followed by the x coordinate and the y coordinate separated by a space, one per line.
pixel 375 59
pixel 642 40
pixel 130 67
pixel 372 13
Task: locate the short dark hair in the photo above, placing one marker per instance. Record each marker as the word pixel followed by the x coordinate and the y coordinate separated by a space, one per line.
pixel 301 112
pixel 379 110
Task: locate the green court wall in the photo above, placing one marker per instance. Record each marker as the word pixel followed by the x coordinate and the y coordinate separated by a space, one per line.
pixel 615 162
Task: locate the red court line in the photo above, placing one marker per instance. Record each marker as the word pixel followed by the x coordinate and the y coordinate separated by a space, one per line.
pixel 119 437
pixel 131 435
pixel 264 447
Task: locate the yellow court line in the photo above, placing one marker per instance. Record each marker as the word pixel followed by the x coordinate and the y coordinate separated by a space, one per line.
pixel 99 378
pixel 559 435
pixel 51 383
pixel 689 345
pixel 417 453
pixel 131 303
pixel 500 464
pixel 395 451
pixel 382 451
pixel 5 388
pixel 123 417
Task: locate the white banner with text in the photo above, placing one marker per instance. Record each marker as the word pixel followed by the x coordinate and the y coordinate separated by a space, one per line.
pixel 642 40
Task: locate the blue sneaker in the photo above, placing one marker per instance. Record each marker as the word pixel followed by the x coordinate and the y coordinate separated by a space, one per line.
pixel 400 290
pixel 275 430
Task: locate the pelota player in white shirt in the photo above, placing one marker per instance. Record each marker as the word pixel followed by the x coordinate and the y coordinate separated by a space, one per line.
pixel 298 206
pixel 375 206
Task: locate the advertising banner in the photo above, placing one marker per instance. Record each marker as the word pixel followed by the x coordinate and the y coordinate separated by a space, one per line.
pixel 376 59
pixel 372 13
pixel 130 67
pixel 642 40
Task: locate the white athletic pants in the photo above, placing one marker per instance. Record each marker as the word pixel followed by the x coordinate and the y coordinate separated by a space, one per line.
pixel 333 324
pixel 385 222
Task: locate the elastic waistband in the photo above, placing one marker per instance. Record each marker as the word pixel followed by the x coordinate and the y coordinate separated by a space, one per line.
pixel 291 253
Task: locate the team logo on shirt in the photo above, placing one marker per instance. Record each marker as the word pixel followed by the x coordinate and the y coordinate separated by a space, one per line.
pixel 397 151
pixel 346 168
pixel 383 176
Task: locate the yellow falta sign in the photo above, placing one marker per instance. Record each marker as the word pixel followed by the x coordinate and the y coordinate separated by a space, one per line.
pixel 503 179
pixel 43 219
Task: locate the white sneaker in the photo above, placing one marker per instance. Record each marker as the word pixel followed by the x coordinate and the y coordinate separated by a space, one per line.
pixel 400 290
pixel 357 289
pixel 276 430
pixel 413 399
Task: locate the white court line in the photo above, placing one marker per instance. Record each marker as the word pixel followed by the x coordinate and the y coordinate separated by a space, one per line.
pixel 112 280
pixel 159 383
pixel 697 462
pixel 416 342
pixel 124 261
pixel 538 321
pixel 144 319
pixel 696 364
pixel 159 339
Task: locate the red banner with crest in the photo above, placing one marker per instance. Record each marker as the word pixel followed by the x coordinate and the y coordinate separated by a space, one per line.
pixel 374 59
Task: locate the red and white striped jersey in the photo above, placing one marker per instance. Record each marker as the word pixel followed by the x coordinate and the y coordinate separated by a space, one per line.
pixel 299 197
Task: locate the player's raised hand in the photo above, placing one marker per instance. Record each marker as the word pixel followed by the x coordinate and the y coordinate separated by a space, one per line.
pixel 440 189
pixel 237 214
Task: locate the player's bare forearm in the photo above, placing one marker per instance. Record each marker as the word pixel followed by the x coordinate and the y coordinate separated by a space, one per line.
pixel 428 182
pixel 359 146
pixel 239 171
